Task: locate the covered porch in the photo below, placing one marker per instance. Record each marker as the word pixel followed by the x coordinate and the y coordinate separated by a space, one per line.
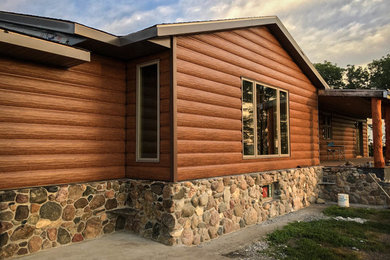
pixel 343 124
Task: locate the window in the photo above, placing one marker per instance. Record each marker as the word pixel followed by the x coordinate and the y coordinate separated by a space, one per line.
pixel 326 123
pixel 265 127
pixel 266 191
pixel 148 118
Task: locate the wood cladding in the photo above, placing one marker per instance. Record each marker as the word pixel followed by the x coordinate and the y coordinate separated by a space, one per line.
pixel 61 125
pixel 149 170
pixel 209 71
pixel 344 132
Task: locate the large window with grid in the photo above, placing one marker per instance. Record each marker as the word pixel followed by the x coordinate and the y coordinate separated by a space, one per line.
pixel 265 120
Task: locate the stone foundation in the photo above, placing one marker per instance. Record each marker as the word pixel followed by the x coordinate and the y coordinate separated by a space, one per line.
pixel 195 211
pixel 186 213
pixel 360 187
pixel 39 218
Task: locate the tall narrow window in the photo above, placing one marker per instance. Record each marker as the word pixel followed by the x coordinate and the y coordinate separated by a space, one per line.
pixel 248 118
pixel 148 125
pixel 283 122
pixel 265 120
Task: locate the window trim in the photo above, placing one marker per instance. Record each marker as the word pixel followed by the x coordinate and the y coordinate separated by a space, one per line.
pixel 270 192
pixel 256 156
pixel 138 112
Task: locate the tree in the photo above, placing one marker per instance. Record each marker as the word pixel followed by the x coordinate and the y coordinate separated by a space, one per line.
pixel 356 77
pixel 332 74
pixel 380 73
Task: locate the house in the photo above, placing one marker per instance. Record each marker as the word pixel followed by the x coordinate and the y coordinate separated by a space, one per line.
pixel 194 129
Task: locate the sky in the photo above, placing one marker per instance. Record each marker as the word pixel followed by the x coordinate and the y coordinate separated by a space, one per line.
pixel 341 31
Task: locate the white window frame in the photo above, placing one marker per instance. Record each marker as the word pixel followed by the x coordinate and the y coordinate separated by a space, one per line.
pixel 138 112
pixel 256 155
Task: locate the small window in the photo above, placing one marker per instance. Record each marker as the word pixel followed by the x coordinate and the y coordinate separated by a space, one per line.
pixel 148 112
pixel 326 125
pixel 265 121
pixel 267 191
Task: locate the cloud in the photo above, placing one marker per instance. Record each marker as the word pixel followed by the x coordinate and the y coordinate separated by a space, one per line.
pixel 345 32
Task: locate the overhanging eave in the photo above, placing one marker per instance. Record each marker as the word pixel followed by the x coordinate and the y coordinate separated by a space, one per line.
pixel 42 51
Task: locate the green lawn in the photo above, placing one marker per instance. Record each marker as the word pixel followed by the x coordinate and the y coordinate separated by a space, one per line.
pixel 332 239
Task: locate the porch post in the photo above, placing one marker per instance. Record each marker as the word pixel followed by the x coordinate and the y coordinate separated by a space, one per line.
pixel 376 113
pixel 387 127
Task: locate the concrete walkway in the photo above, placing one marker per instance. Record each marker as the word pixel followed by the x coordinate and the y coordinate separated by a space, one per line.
pixel 122 245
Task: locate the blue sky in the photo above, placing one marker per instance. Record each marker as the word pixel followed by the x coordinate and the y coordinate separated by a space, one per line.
pixel 341 31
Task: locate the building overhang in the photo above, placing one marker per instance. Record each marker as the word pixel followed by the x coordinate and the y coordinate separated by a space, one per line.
pixel 350 102
pixel 30 48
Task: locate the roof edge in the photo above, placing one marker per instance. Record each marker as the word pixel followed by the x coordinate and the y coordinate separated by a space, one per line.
pixel 175 29
pixel 301 53
pixel 214 25
pixel 145 34
pixel 95 34
pixel 78 56
pixel 172 29
pixel 376 93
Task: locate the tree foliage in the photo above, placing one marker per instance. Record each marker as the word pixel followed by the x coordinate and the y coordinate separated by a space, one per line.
pixel 380 73
pixel 375 76
pixel 332 74
pixel 356 77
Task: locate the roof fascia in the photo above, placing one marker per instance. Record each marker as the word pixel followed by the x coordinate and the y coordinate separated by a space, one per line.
pixel 376 93
pixel 301 53
pixel 60 26
pixel 44 46
pixel 142 35
pixel 38 22
pixel 95 34
pixel 208 26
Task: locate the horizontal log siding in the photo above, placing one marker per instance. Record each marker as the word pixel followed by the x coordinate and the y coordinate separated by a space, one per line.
pixel 61 125
pixel 149 170
pixel 209 67
pixel 344 133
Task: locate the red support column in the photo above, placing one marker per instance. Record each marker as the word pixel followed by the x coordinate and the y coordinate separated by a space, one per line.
pixel 387 127
pixel 376 112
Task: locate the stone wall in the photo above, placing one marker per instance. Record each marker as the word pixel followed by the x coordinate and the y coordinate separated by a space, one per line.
pixel 186 213
pixel 360 187
pixel 39 218
pixel 195 211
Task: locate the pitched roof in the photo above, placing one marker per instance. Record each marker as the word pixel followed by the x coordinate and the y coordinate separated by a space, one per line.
pixel 94 39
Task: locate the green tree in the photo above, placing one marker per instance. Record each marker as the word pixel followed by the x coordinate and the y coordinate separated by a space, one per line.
pixel 332 74
pixel 356 77
pixel 380 73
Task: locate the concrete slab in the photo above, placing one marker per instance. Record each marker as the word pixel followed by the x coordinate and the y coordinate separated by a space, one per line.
pixel 122 245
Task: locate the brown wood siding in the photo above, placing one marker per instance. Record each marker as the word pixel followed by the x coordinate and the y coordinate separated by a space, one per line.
pixel 149 170
pixel 209 71
pixel 344 133
pixel 61 125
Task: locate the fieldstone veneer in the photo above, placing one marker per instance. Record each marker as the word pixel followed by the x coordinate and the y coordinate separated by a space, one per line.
pixel 195 211
pixel 39 218
pixel 186 213
pixel 360 187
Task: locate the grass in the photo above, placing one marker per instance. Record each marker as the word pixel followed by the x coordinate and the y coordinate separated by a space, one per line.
pixel 332 239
